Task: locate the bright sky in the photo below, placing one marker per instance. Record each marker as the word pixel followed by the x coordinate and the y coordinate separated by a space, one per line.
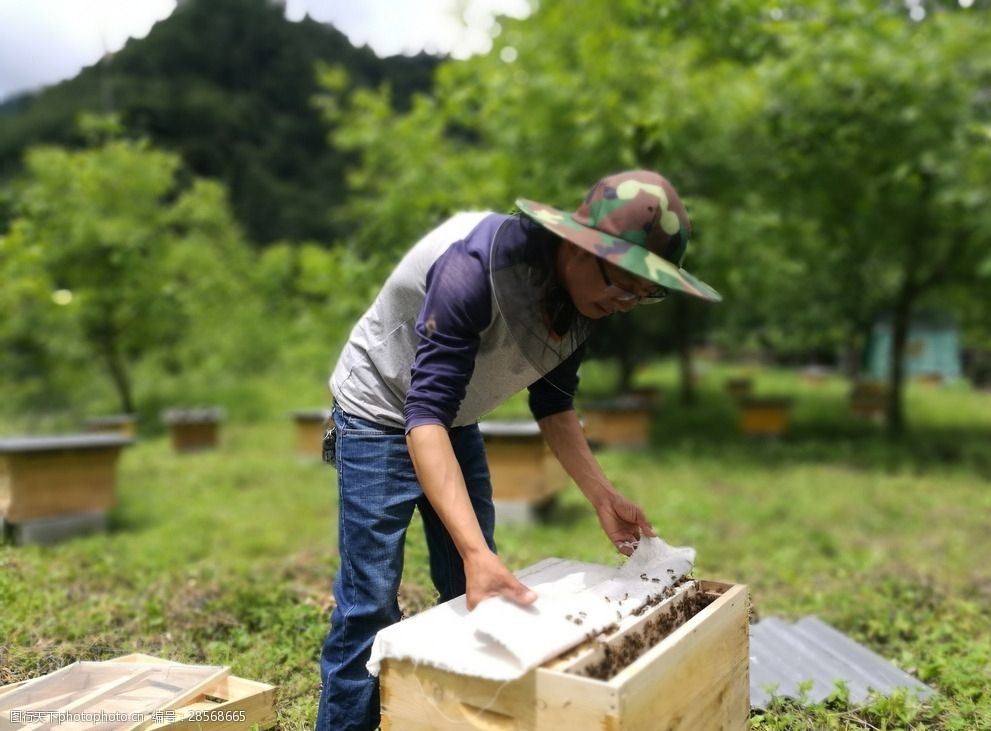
pixel 45 41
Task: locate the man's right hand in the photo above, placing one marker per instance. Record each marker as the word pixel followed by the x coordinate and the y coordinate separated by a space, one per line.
pixel 487 576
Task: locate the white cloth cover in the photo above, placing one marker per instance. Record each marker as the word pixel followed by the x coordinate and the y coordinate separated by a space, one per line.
pixel 503 641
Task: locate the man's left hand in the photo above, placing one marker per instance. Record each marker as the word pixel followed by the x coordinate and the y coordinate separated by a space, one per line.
pixel 623 521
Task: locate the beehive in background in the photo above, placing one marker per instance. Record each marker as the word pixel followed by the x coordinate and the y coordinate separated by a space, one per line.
pixel 310 426
pixel 525 474
pixel 58 486
pixel 195 429
pixel 620 422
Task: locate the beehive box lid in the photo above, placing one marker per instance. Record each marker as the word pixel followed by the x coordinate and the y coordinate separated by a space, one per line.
pixel 310 414
pixel 783 656
pixel 111 420
pixel 509 428
pixel 62 442
pixel 623 402
pixel 192 415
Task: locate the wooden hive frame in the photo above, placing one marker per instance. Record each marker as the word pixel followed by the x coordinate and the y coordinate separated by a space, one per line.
pixel 694 679
pixel 227 700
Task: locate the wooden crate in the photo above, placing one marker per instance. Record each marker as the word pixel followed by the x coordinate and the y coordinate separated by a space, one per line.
pixel 522 467
pixel 310 426
pixel 694 679
pixel 48 476
pixel 219 707
pixel 125 424
pixel 764 416
pixel 193 430
pixel 619 422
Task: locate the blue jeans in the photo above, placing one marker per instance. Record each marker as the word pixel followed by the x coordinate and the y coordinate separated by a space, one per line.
pixel 378 492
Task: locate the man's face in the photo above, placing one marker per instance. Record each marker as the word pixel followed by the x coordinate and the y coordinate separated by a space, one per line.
pixel 598 288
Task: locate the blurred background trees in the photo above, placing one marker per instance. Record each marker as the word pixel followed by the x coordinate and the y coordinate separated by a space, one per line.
pixel 835 160
pixel 111 254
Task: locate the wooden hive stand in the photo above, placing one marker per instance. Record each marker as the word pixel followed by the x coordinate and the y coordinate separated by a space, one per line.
pixel 695 678
pixel 193 430
pixel 60 486
pixel 525 474
pixel 310 426
pixel 623 421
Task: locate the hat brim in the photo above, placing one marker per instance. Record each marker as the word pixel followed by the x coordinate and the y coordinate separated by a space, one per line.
pixel 628 256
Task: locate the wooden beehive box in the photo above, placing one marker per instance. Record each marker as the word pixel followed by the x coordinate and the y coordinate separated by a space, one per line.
pixel 41 477
pixel 193 430
pixel 225 704
pixel 310 426
pixel 764 416
pixel 524 472
pixel 739 388
pixel 618 422
pixel 125 424
pixel 694 679
pixel 869 399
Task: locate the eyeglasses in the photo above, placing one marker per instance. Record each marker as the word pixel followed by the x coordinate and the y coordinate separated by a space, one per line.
pixel 653 295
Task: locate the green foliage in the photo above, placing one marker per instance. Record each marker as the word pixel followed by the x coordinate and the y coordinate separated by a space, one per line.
pixel 319 293
pixel 109 260
pixel 834 157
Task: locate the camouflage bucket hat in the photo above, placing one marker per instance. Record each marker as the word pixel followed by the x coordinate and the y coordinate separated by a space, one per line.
pixel 634 220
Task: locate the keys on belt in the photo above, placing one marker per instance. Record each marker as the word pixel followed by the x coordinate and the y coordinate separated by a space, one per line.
pixel 330 445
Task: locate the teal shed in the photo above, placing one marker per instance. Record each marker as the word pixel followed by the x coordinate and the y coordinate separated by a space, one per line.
pixel 933 348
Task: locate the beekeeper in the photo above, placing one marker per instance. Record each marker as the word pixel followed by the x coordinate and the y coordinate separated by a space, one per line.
pixel 480 308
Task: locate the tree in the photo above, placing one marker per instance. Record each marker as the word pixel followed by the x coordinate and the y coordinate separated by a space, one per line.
pixel 832 155
pixel 129 258
pixel 876 130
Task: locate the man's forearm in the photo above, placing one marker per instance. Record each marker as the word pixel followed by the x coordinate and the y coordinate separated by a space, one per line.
pixel 563 432
pixel 440 477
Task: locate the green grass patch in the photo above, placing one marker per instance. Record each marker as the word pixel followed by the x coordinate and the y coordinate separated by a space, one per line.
pixel 228 556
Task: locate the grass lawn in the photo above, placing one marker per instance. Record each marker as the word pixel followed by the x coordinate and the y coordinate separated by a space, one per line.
pixel 227 557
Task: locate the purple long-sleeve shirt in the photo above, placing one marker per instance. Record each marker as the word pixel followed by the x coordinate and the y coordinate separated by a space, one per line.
pixel 434 348
pixel 457 307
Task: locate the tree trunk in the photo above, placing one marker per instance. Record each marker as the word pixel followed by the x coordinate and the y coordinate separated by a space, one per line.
pixel 118 374
pixel 116 368
pixel 627 368
pixel 900 323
